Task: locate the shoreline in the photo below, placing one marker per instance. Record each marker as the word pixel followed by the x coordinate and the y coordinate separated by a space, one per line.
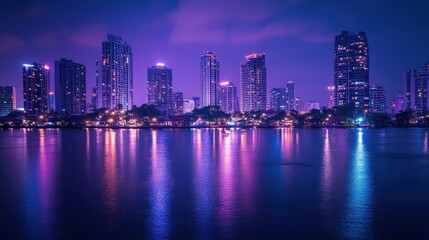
pixel 197 127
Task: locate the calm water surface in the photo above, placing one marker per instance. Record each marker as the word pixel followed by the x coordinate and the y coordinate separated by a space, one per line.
pixel 203 184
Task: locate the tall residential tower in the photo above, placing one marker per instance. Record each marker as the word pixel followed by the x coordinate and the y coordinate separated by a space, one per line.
pixel 416 88
pixel 117 73
pixel 228 99
pixel 70 87
pixel 7 100
pixel 36 88
pixel 253 81
pixel 351 70
pixel 209 77
pixel 160 88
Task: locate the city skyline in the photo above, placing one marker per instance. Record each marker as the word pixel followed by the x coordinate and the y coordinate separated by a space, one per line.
pixel 292 38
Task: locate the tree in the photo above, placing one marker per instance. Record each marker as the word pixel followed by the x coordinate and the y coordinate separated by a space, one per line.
pixel 211 113
pixel 145 110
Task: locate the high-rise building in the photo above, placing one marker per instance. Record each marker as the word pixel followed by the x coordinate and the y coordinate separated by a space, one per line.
pixel 278 99
pixel 298 104
pixel 160 88
pixel 310 105
pixel 377 96
pixel 188 105
pixel 178 102
pixel 351 70
pixel 117 74
pixel 228 99
pixel 253 81
pixel 36 88
pixel 209 77
pixel 51 101
pixel 416 88
pixel 70 87
pixel 290 100
pixel 398 103
pixel 331 96
pixel 94 95
pixel 197 102
pixel 7 100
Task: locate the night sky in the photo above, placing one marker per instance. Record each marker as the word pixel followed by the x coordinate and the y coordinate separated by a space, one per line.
pixel 297 37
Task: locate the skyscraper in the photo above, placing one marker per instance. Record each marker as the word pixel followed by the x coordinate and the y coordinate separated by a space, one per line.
pixel 94 96
pixel 197 102
pixel 209 77
pixel 278 99
pixel 398 103
pixel 178 102
pixel 188 105
pixel 159 88
pixel 310 105
pixel 70 87
pixel 290 100
pixel 7 100
pixel 351 70
pixel 117 73
pixel 253 81
pixel 228 99
pixel 377 96
pixel 416 88
pixel 36 88
pixel 331 96
pixel 51 101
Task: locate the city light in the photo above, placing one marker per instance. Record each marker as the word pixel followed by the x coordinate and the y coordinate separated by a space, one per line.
pixel 160 64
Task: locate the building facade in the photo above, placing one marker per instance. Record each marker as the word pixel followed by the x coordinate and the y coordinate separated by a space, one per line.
pixel 7 100
pixel 117 74
pixel 290 99
pixel 310 105
pixel 351 70
pixel 253 82
pixel 70 87
pixel 188 105
pixel 36 80
pixel 178 103
pixel 94 94
pixel 51 101
pixel 331 96
pixel 160 88
pixel 377 96
pixel 278 99
pixel 398 103
pixel 228 99
pixel 209 78
pixel 416 88
pixel 197 102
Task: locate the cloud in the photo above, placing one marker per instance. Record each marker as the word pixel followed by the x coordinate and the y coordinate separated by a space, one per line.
pixel 266 32
pixel 318 37
pixel 89 36
pixel 10 42
pixel 47 39
pixel 238 22
pixel 209 21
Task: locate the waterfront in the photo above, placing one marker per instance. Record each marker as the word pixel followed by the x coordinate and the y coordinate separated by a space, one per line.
pixel 214 184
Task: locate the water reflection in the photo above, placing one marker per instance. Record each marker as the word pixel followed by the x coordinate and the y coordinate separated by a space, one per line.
pixel 425 143
pixel 327 177
pixel 203 184
pixel 41 172
pixel 160 189
pixel 147 183
pixel 111 174
pixel 227 185
pixel 357 223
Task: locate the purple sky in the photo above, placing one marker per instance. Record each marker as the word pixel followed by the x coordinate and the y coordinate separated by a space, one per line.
pixel 296 35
